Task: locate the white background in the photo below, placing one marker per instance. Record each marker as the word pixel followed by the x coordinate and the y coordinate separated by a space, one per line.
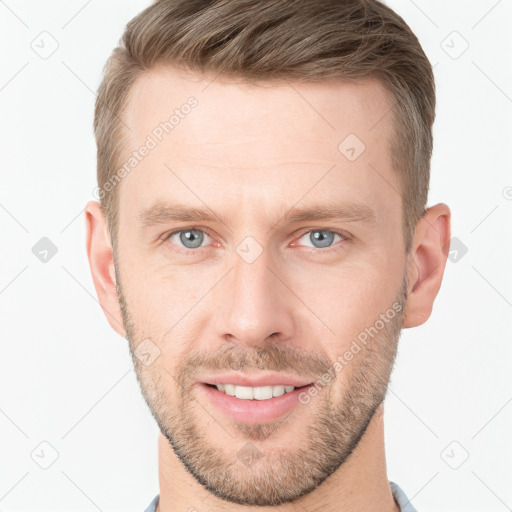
pixel 66 378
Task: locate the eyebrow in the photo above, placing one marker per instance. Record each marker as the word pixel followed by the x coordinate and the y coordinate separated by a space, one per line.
pixel 349 212
pixel 162 213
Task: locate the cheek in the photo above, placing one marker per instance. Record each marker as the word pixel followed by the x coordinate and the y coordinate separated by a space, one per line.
pixel 161 295
pixel 349 298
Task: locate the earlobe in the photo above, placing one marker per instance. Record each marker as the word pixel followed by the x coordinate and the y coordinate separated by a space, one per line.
pixel 101 262
pixel 426 263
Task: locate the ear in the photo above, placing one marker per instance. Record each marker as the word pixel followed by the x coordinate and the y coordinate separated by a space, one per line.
pixel 426 263
pixel 101 261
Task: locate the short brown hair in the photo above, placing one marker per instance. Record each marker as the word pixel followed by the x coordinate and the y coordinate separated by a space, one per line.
pixel 265 40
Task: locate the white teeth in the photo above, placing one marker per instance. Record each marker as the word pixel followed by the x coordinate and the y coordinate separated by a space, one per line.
pixel 277 390
pixel 229 389
pixel 263 393
pixel 244 392
pixel 254 393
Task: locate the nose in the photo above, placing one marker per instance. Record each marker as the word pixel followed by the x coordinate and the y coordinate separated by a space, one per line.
pixel 255 303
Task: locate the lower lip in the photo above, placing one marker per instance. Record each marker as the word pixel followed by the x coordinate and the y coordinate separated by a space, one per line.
pixel 253 411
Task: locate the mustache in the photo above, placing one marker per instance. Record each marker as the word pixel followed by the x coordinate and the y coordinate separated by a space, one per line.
pixel 276 358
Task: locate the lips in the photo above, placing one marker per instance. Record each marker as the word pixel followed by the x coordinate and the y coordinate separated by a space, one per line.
pixel 252 411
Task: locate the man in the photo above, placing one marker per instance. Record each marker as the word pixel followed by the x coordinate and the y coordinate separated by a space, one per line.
pixel 262 239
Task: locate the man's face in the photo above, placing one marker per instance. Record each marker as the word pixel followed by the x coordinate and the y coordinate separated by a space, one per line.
pixel 255 290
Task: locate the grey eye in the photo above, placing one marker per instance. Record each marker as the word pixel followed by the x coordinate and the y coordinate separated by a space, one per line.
pixel 190 238
pixel 320 238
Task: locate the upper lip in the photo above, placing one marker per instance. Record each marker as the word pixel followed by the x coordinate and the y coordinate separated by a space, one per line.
pixel 269 379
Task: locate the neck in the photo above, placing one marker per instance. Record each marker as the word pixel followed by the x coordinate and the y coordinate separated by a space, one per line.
pixel 360 484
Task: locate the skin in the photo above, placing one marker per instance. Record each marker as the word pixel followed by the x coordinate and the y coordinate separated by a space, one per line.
pixel 252 154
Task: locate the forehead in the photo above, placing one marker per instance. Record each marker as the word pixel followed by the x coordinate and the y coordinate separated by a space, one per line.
pixel 330 108
pixel 272 138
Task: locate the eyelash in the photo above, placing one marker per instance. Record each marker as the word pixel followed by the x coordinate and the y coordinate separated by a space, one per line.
pixel 184 250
